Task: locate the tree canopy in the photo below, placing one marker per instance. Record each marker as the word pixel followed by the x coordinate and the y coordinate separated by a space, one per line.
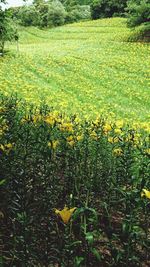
pixel 8 31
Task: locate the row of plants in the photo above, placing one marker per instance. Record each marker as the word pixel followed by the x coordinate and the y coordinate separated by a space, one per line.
pixel 73 193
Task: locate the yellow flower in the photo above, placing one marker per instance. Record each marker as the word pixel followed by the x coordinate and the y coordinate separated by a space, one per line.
pixel 68 127
pixel 117 131
pixel 2 147
pixel 97 121
pixel 77 120
pixel 113 140
pixel 94 135
pixel 70 138
pixel 117 152
pixel 71 143
pixel 25 119
pixel 50 120
pixel 79 137
pixel 53 144
pixel 9 146
pixel 119 123
pixel 6 147
pixel 65 214
pixel 37 118
pixel 145 193
pixel 107 128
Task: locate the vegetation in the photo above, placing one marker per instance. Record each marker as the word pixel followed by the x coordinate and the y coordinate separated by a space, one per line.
pixel 51 13
pixel 139 14
pixel 100 171
pixel 108 8
pixel 54 13
pixel 8 31
pixel 59 65
pixel 74 135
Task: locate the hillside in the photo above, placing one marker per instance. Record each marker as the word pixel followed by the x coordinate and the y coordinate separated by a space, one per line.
pixel 85 68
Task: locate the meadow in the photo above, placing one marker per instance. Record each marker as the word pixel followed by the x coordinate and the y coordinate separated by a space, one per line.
pixel 86 68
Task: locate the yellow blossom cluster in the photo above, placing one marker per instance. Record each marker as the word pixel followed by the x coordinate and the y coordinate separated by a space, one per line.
pixel 6 147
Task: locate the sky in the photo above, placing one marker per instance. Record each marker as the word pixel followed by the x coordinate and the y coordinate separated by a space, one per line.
pixel 11 3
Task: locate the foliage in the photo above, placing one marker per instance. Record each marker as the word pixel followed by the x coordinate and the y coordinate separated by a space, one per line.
pixel 77 13
pixel 98 169
pixel 56 14
pixel 43 9
pixel 138 12
pixel 140 33
pixel 27 16
pixel 51 13
pixel 8 31
pixel 107 8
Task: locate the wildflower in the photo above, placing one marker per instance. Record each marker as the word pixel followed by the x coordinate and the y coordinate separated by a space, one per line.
pixel 68 127
pixel 145 193
pixel 107 128
pixel 25 119
pixel 77 120
pixel 71 143
pixel 50 120
pixel 2 147
pixel 94 135
pixel 65 214
pixel 37 118
pixel 70 138
pixel 113 140
pixel 53 144
pixel 79 137
pixel 9 146
pixel 119 123
pixel 97 121
pixel 117 131
pixel 117 152
pixel 6 147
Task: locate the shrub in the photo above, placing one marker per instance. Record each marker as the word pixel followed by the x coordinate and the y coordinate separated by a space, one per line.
pixel 140 33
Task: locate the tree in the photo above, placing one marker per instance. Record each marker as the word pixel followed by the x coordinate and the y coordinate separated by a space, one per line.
pixel 138 12
pixel 38 2
pixel 56 14
pixel 107 8
pixel 8 31
pixel 29 16
pixel 43 9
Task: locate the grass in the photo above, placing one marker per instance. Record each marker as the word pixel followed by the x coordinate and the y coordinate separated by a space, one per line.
pixel 85 68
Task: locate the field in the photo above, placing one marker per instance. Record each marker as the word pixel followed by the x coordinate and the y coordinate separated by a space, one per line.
pixel 75 189
pixel 85 68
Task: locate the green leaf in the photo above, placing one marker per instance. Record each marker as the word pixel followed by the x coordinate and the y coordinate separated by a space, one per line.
pixel 78 261
pixel 2 182
pixel 90 238
pixel 73 244
pixel 96 253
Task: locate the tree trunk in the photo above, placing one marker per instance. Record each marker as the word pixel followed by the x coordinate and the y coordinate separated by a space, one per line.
pixel 2 47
